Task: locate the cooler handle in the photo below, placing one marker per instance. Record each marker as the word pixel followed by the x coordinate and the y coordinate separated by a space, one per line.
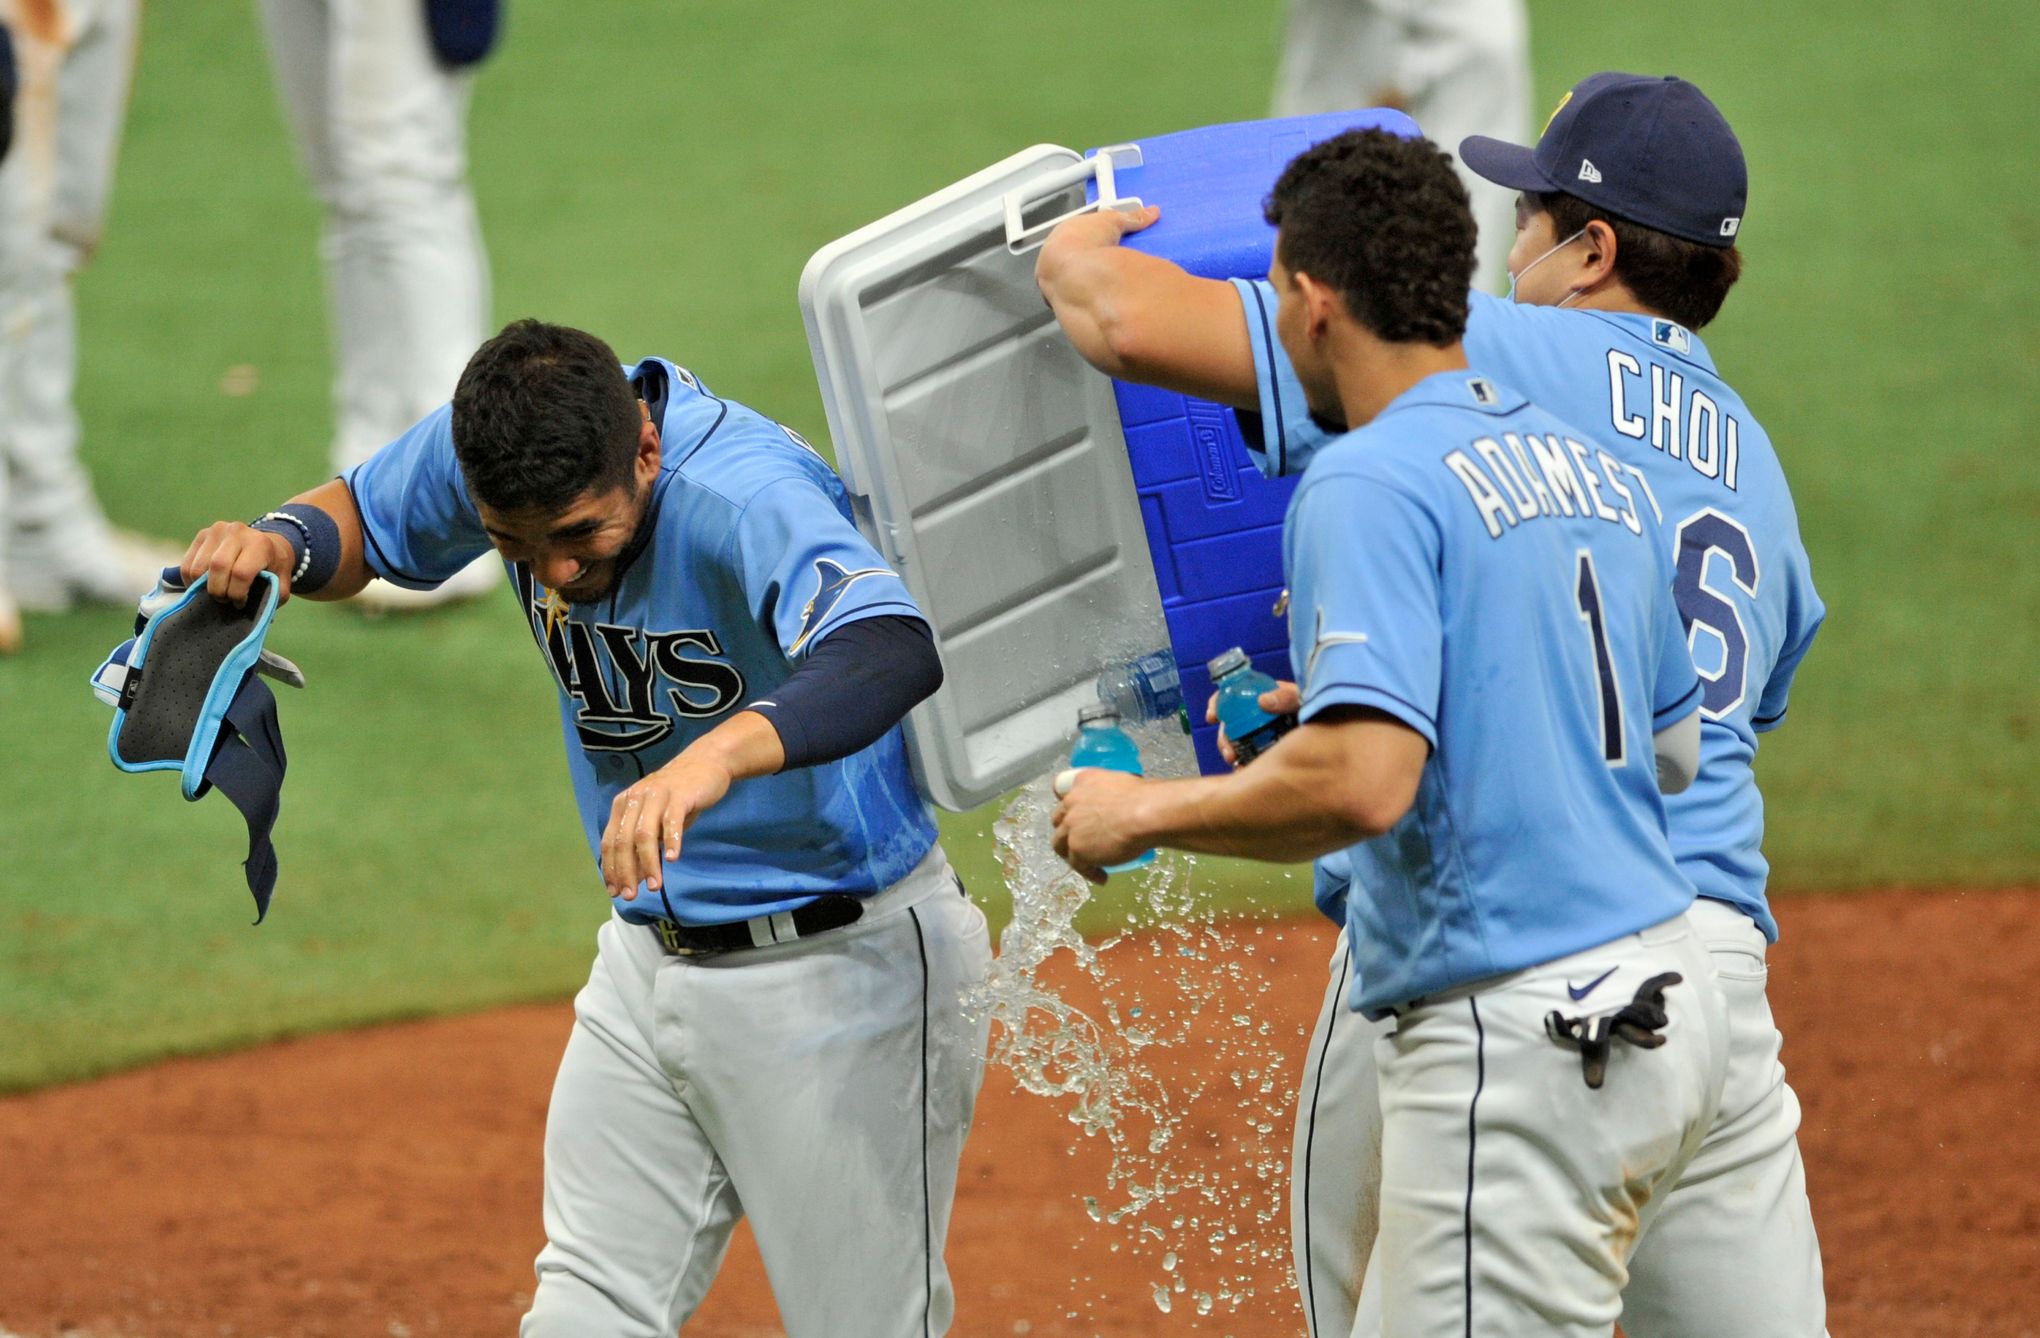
pixel 1100 166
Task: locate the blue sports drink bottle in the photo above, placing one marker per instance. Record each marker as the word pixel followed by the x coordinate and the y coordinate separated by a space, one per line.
pixel 1252 730
pixel 1102 743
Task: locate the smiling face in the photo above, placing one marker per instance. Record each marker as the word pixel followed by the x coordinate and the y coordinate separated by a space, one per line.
pixel 576 550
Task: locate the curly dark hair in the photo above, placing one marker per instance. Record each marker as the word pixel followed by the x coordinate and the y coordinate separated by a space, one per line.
pixel 542 416
pixel 1680 279
pixel 1384 222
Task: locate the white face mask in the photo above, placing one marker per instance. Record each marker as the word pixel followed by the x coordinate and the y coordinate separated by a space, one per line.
pixel 1517 277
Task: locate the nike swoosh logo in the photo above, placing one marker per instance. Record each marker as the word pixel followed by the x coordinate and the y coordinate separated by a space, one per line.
pixel 1579 992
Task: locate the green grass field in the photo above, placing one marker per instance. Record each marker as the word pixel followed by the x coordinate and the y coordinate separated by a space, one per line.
pixel 660 173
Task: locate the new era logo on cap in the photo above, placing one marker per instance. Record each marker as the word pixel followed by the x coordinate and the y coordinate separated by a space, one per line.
pixel 1589 172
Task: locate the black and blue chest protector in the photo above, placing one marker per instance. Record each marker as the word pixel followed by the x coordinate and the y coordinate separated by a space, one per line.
pixel 187 697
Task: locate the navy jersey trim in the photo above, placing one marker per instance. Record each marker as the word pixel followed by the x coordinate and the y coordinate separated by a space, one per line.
pixel 1253 430
pixel 1365 694
pixel 1281 442
pixel 1310 1141
pixel 1472 1133
pixel 927 1192
pixel 1764 723
pixel 1681 709
pixel 654 388
pixel 368 533
pixel 702 440
pixel 645 370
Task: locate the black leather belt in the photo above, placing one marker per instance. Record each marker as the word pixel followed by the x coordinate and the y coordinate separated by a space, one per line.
pixel 820 915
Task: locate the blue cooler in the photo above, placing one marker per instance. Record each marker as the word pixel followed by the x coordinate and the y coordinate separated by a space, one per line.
pixel 1214 524
pixel 1050 521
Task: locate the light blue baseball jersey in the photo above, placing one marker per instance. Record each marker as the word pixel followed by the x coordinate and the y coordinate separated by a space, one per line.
pixel 1467 564
pixel 750 559
pixel 1645 389
pixel 1330 877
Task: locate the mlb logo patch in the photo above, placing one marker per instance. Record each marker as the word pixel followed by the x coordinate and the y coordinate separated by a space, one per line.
pixel 1482 391
pixel 1667 334
pixel 1589 172
pixel 1730 226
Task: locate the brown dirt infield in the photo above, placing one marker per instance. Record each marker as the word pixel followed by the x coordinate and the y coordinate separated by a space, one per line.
pixel 386 1182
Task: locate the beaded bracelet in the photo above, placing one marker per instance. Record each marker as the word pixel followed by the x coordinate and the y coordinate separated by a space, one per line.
pixel 301 542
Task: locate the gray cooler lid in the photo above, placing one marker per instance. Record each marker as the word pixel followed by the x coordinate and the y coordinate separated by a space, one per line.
pixel 985 460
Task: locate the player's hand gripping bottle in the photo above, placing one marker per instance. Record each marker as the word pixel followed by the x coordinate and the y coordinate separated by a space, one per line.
pixel 1102 743
pixel 1252 730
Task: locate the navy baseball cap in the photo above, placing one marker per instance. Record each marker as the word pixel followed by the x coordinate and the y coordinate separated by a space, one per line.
pixel 1650 151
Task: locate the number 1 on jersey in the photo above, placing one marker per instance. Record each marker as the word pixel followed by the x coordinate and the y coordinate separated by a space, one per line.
pixel 1613 745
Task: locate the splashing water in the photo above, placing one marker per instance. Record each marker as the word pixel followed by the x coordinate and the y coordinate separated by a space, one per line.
pixel 1215 1212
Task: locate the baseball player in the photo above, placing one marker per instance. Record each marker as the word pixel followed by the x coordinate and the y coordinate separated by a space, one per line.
pixel 75 62
pixel 1493 691
pixel 1631 204
pixel 380 120
pixel 773 1024
pixel 1460 67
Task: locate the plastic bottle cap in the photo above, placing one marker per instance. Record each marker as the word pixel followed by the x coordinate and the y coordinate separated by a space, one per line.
pixel 1093 715
pixel 1231 660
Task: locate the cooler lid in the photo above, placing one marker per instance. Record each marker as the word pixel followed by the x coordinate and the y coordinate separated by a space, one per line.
pixel 985 461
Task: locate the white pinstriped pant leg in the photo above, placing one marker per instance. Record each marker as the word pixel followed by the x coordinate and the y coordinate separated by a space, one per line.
pixel 1740 1209
pixel 1512 1194
pixel 820 1088
pixel 1335 1166
pixel 53 195
pixel 381 129
pixel 638 1206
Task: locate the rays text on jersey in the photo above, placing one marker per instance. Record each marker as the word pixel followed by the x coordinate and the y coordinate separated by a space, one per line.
pixel 634 686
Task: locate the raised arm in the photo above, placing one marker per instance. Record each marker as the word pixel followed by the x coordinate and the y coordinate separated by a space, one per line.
pixel 228 554
pixel 1139 317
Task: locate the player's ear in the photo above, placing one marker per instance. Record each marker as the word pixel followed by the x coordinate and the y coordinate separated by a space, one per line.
pixel 1599 262
pixel 649 459
pixel 1319 303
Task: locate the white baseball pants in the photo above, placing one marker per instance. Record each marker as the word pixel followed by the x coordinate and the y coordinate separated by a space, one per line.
pixel 1512 1194
pixel 1460 67
pixel 381 130
pixel 821 1087
pixel 1739 1210
pixel 77 65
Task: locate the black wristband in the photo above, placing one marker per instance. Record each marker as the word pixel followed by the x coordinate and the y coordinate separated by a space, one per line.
pixel 313 536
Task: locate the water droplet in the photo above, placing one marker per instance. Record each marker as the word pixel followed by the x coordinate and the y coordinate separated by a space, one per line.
pixel 1162 1301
